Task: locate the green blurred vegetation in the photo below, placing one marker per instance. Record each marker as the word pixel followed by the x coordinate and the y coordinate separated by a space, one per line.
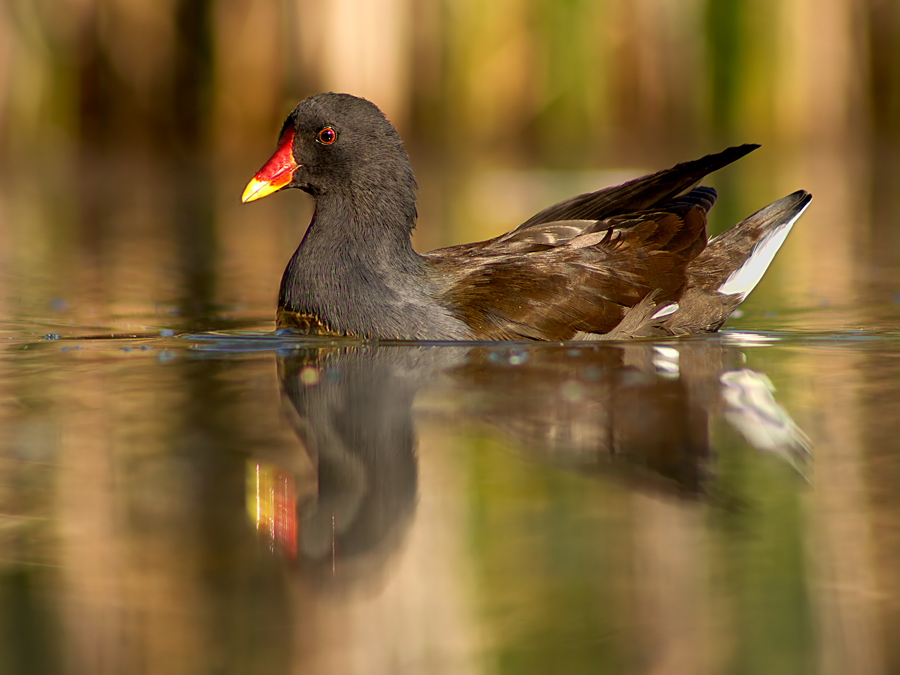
pixel 555 81
pixel 586 572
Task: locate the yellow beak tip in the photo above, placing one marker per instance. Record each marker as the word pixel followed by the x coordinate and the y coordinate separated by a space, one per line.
pixel 253 191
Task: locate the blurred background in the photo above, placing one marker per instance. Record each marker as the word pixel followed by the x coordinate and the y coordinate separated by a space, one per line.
pixel 563 83
pixel 119 119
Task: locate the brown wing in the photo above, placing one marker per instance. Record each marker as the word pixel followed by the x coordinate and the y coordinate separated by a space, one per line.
pixel 638 194
pixel 593 211
pixel 552 282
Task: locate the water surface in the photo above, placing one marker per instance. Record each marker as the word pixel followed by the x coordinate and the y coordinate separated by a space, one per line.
pixel 183 491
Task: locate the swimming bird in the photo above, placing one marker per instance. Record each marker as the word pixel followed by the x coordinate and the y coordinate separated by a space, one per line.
pixel 628 261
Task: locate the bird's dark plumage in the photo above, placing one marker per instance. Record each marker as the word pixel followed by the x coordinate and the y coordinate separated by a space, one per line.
pixel 627 261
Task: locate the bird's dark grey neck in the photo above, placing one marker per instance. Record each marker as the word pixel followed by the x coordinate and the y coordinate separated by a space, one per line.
pixel 361 227
pixel 357 273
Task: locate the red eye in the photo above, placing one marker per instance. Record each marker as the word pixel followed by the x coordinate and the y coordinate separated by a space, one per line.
pixel 327 136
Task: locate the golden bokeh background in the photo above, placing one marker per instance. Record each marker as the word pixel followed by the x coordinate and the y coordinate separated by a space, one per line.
pixel 555 81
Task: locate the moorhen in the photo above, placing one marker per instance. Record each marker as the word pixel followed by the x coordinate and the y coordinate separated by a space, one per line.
pixel 623 262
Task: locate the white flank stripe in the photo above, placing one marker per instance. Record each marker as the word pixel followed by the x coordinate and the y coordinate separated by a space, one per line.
pixel 665 310
pixel 744 278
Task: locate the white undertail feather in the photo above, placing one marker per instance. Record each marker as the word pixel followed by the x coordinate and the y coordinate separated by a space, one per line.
pixel 744 278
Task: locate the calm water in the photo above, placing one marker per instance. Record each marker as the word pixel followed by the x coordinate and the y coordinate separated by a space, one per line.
pixel 183 492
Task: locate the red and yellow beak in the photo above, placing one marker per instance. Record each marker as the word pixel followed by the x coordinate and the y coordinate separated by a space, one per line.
pixel 276 173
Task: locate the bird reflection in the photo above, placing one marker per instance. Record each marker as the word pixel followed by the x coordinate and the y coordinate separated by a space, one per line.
pixel 352 410
pixel 639 412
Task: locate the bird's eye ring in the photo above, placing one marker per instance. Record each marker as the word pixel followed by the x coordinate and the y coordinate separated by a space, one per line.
pixel 327 136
